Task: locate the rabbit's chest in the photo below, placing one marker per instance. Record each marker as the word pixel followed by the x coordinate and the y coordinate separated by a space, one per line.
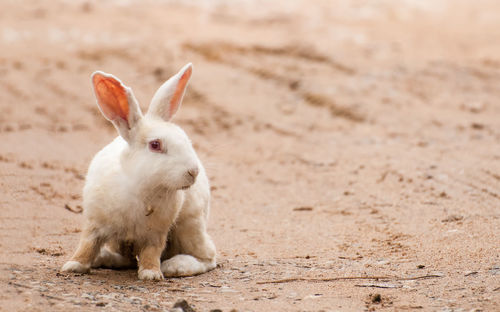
pixel 155 216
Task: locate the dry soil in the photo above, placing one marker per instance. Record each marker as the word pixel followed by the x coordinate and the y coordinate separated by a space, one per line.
pixel 352 146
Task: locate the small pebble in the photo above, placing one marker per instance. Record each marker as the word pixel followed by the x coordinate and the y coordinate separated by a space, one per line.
pixel 376 298
pixel 183 306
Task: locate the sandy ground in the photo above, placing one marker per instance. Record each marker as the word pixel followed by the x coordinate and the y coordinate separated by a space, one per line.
pixel 345 141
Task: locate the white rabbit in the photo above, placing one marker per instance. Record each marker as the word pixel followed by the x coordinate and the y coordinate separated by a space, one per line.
pixel 146 184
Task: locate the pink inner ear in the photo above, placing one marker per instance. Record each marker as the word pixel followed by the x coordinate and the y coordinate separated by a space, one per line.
pixel 111 97
pixel 179 91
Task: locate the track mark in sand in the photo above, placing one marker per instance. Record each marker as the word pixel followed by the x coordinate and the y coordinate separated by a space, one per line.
pixel 76 174
pixel 481 187
pixel 394 243
pixel 215 117
pixel 349 278
pixel 301 52
pixel 53 252
pixel 221 118
pixel 486 191
pixel 267 74
pixel 215 52
pixel 49 165
pixel 25 165
pixel 14 90
pixel 46 191
pixel 313 163
pixel 6 159
pixel 335 109
pixel 219 53
pixel 278 130
pixel 494 175
pixel 60 91
pixel 99 54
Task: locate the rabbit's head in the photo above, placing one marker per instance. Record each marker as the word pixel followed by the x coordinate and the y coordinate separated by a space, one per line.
pixel 159 153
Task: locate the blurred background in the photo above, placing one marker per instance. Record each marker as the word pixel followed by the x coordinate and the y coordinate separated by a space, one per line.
pixel 342 138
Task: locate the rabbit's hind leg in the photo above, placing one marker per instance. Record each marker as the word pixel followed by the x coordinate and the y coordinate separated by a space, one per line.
pixel 115 255
pixel 88 248
pixel 190 250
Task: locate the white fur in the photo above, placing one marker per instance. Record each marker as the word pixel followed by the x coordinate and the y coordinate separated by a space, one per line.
pixel 185 265
pixel 138 196
pixel 150 275
pixel 110 259
pixel 75 266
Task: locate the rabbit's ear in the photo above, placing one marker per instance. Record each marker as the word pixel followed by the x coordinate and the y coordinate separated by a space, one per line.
pixel 168 97
pixel 116 102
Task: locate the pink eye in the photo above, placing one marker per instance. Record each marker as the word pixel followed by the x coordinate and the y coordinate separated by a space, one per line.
pixel 155 146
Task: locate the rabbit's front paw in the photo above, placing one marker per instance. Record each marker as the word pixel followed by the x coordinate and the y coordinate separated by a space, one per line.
pixel 75 266
pixel 150 275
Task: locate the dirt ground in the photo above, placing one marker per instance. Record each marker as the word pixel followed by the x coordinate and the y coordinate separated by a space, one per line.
pixel 352 146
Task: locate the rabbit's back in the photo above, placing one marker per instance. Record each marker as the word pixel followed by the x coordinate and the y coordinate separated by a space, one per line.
pixel 107 188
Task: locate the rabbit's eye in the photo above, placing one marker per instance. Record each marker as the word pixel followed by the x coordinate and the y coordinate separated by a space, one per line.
pixel 155 146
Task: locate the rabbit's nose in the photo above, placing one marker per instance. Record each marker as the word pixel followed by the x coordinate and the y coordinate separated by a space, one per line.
pixel 193 172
